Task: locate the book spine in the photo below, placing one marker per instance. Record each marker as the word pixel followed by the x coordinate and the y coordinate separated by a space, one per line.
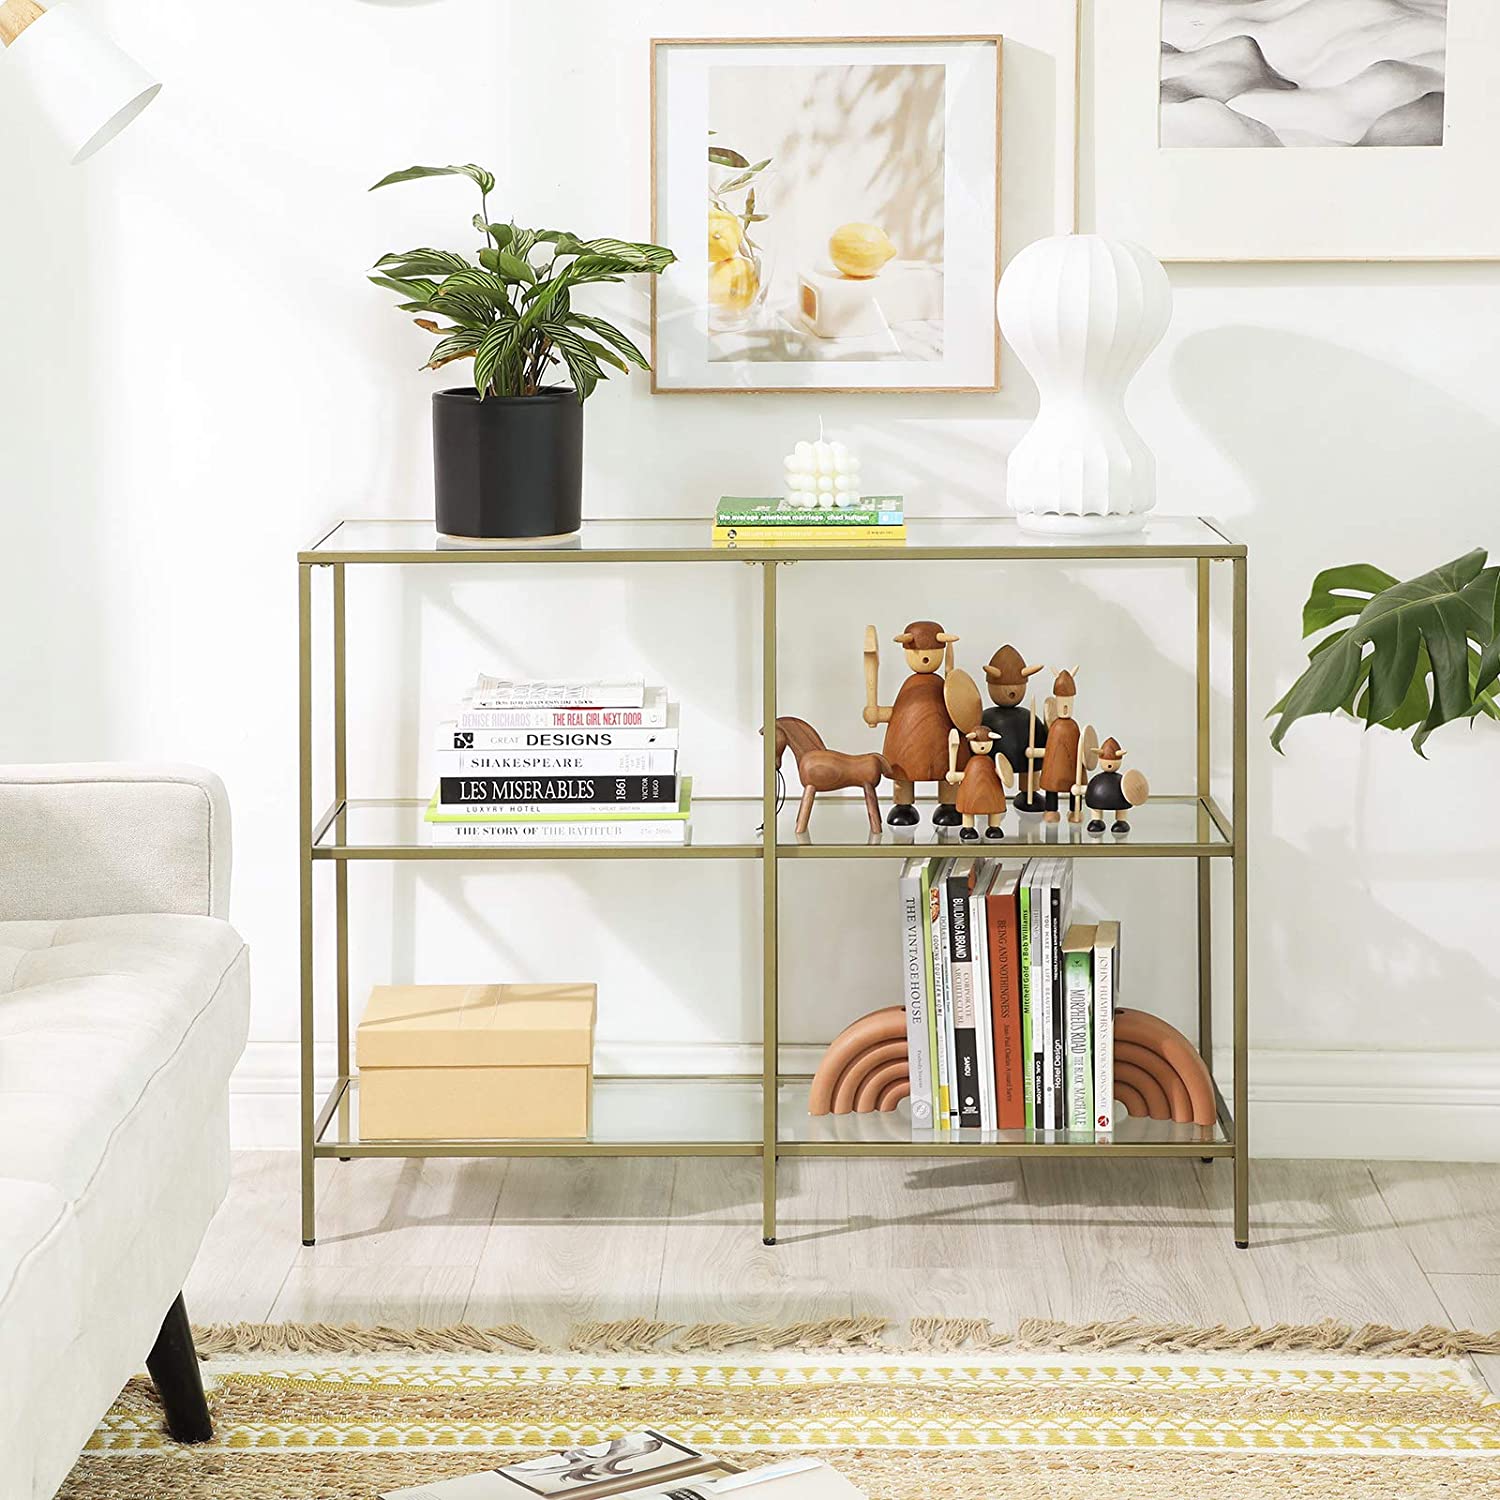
pixel 556 762
pixel 915 982
pixel 807 520
pixel 1029 1074
pixel 556 812
pixel 451 737
pixel 557 695
pixel 1104 1040
pixel 1059 1037
pixel 983 1019
pixel 756 536
pixel 961 967
pixel 652 716
pixel 929 978
pixel 945 1111
pixel 1080 1072
pixel 1046 1118
pixel 643 831
pixel 553 791
pixel 1005 1002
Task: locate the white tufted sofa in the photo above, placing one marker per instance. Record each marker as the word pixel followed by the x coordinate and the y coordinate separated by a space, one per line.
pixel 124 1003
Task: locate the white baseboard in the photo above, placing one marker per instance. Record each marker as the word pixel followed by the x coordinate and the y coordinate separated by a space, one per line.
pixel 1415 1106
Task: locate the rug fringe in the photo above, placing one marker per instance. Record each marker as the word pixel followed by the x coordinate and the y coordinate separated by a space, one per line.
pixel 924 1335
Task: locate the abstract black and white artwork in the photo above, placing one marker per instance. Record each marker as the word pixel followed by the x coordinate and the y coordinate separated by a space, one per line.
pixel 1303 72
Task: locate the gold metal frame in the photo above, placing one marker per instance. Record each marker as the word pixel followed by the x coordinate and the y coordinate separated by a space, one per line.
pixel 328 1129
pixel 998 42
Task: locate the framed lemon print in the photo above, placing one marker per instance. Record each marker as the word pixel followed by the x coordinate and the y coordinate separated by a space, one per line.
pixel 834 206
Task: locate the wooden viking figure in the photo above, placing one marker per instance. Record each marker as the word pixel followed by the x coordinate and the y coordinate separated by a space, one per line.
pixel 916 737
pixel 1061 759
pixel 1109 791
pixel 981 783
pixel 1021 737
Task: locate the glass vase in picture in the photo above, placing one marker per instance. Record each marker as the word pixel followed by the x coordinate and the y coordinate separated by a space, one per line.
pixel 739 268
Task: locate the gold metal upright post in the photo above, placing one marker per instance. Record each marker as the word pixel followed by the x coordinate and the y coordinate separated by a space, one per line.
pixel 305 885
pixel 1241 916
pixel 340 797
pixel 1205 789
pixel 770 1004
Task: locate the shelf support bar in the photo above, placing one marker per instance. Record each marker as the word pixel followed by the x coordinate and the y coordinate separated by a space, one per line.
pixel 305 885
pixel 1205 796
pixel 341 796
pixel 1241 916
pixel 770 1003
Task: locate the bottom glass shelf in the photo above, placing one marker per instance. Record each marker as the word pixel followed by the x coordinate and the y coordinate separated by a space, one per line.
pixel 721 1116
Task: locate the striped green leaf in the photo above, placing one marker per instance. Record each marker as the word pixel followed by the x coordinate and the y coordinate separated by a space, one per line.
pixel 485 181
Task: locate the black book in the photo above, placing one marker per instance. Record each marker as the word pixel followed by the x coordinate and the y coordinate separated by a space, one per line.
pixel 1059 1008
pixel 577 791
pixel 965 1035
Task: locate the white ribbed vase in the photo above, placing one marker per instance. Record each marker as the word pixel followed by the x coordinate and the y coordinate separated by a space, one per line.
pixel 1083 312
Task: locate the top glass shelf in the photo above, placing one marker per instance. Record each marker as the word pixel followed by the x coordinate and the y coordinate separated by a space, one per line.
pixel 689 540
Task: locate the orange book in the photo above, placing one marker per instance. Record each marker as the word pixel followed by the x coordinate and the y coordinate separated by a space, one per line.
pixel 1003 931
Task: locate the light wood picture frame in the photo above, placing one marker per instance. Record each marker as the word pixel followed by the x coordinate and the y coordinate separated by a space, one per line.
pixel 802 287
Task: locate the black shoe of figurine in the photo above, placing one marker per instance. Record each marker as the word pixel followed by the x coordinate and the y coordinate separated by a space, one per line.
pixel 994 833
pixel 968 833
pixel 903 815
pixel 945 815
pixel 1097 826
pixel 1121 827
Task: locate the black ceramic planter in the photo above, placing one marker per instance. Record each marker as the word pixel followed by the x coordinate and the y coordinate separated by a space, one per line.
pixel 507 466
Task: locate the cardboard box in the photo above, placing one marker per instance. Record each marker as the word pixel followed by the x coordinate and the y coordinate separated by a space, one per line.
pixel 476 1062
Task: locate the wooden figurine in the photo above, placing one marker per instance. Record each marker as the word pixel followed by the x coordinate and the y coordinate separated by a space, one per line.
pixel 1109 791
pixel 918 723
pixel 1021 737
pixel 981 783
pixel 820 769
pixel 1061 773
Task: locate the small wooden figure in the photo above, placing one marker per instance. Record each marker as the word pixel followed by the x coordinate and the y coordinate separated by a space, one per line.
pixel 918 724
pixel 1060 769
pixel 1109 791
pixel 981 784
pixel 1022 738
pixel 820 769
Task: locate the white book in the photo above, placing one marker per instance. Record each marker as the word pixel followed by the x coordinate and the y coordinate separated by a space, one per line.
pixel 505 692
pixel 1106 954
pixel 914 986
pixel 601 831
pixel 652 714
pixel 649 762
pixel 979 945
pixel 597 737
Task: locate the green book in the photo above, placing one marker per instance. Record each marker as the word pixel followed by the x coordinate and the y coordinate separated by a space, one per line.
pixel 589 812
pixel 756 510
pixel 1028 1081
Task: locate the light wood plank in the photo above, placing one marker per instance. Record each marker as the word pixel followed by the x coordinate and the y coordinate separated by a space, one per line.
pixel 405 1213
pixel 1448 1213
pixel 251 1244
pixel 715 1268
pixel 1123 1239
pixel 1473 1302
pixel 1323 1245
pixel 573 1241
pixel 403 1296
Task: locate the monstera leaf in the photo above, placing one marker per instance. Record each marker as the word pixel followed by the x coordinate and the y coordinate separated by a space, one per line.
pixel 1418 654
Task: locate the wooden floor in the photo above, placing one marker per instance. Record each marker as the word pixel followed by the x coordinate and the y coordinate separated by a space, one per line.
pixel 549 1243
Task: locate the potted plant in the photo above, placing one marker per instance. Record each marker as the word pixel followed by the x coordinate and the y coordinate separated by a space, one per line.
pixel 508 451
pixel 1418 654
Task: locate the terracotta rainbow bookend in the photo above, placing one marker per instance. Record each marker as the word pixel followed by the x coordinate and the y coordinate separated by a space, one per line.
pixel 1159 1073
pixel 865 1068
pixel 820 769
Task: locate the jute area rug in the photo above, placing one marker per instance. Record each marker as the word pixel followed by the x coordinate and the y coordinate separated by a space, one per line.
pixel 947 1409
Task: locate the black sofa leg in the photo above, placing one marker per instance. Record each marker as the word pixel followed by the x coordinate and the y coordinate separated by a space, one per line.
pixel 173 1363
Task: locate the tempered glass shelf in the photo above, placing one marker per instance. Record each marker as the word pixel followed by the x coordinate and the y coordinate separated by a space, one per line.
pixel 690 539
pixel 728 828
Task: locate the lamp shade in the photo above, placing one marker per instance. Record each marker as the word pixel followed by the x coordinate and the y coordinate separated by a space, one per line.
pixel 86 88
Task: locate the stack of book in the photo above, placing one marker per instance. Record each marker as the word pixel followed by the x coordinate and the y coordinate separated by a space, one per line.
pixel 1009 1003
pixel 741 522
pixel 560 763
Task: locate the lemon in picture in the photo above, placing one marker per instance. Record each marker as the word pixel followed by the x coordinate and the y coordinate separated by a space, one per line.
pixel 732 283
pixel 860 250
pixel 723 235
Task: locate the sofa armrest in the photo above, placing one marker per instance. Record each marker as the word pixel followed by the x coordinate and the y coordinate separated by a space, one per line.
pixel 101 840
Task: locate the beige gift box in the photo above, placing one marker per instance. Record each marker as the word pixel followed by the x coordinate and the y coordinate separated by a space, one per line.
pixel 476 1062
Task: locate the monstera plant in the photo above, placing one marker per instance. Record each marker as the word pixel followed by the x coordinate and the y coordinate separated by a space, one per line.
pixel 1413 655
pixel 509 449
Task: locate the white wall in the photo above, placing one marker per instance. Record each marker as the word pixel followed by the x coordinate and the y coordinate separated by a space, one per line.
pixel 194 380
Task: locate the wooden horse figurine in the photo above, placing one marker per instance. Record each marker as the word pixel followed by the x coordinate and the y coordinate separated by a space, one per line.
pixel 820 769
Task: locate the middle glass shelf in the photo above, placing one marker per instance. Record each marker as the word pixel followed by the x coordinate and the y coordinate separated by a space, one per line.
pixel 1178 827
